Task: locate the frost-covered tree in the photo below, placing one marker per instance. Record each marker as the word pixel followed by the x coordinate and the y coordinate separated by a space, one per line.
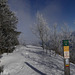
pixel 66 32
pixel 55 36
pixel 22 40
pixel 8 22
pixel 41 29
pixel 47 37
pixel 72 47
pixel 53 43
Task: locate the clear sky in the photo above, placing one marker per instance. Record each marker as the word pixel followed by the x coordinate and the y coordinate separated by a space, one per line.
pixel 59 11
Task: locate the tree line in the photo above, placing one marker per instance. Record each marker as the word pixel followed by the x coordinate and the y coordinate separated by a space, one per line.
pixel 51 38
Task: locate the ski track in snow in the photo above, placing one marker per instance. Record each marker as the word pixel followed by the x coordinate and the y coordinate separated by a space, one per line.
pixel 40 63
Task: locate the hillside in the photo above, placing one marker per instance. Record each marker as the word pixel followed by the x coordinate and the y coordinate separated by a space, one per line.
pixel 31 60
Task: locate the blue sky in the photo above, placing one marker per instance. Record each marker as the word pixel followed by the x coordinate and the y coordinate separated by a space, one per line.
pixel 55 11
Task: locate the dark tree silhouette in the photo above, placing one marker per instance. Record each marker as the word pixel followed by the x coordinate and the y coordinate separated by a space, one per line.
pixel 8 23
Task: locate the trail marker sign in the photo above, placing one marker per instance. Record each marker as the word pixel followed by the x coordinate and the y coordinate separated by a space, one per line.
pixel 66 48
pixel 65 43
pixel 66 54
pixel 66 57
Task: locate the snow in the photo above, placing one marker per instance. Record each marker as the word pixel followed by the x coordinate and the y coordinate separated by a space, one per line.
pixel 31 60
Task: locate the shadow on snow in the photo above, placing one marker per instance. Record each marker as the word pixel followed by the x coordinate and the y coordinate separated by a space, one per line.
pixel 35 69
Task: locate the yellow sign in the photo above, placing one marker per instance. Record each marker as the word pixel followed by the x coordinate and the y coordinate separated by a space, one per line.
pixel 66 48
pixel 66 54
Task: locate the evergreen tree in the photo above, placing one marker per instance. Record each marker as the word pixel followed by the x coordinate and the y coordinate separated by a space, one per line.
pixel 8 22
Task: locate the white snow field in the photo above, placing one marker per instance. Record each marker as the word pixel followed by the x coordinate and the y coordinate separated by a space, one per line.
pixel 31 60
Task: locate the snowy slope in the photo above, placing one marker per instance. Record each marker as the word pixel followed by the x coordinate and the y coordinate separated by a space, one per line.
pixel 31 60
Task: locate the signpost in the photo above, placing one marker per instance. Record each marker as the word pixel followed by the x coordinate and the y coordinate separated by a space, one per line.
pixel 66 57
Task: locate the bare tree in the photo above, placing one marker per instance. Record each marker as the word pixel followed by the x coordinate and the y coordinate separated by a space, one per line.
pixel 47 37
pixel 41 30
pixel 66 32
pixel 55 39
pixel 22 40
pixel 53 44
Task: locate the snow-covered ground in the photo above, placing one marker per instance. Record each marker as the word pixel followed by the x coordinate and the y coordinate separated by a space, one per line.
pixel 31 60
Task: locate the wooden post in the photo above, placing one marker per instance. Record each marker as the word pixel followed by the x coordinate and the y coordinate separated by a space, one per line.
pixel 66 57
pixel 66 67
